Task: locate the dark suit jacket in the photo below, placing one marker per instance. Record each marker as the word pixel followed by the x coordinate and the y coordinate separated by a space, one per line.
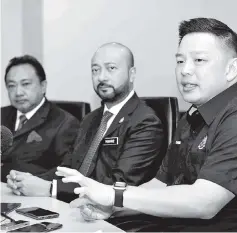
pixel 40 145
pixel 134 160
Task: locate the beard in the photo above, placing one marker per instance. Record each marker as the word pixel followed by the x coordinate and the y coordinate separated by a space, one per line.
pixel 112 95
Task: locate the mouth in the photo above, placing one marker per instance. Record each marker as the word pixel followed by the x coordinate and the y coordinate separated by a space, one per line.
pixel 104 87
pixel 20 101
pixel 188 87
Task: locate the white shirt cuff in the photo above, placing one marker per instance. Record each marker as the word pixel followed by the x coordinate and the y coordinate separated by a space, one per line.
pixel 54 189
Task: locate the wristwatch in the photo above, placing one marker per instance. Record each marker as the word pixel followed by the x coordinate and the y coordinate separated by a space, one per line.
pixel 119 188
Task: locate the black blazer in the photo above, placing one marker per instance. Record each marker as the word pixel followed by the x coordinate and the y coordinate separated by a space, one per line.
pixel 40 145
pixel 136 157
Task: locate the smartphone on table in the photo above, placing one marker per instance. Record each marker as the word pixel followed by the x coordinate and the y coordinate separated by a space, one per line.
pixel 14 225
pixel 7 207
pixel 39 227
pixel 37 213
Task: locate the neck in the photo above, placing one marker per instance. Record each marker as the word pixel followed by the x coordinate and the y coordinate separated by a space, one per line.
pixel 111 104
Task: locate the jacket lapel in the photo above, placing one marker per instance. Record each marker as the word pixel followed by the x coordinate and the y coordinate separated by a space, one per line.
pixel 123 114
pixel 36 120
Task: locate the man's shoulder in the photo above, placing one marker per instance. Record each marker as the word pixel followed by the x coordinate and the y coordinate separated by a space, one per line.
pixel 229 110
pixel 5 111
pixel 92 114
pixel 56 112
pixel 143 111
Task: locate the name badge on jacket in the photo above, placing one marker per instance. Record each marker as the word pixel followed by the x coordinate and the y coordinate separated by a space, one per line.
pixel 110 141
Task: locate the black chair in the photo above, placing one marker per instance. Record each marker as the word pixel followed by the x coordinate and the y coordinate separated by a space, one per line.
pixel 167 109
pixel 77 109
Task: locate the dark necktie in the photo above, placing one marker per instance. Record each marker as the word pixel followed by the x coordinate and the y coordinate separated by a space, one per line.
pixel 23 120
pixel 95 143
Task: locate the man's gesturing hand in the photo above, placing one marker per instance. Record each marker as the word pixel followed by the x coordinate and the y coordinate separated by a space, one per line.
pixel 90 211
pixel 97 193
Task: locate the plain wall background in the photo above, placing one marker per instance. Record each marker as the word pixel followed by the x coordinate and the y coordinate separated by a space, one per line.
pixel 64 34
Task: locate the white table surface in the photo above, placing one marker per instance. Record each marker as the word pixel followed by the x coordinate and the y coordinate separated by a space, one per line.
pixel 69 217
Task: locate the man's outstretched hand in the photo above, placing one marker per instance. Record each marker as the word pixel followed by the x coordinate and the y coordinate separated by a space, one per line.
pixel 98 194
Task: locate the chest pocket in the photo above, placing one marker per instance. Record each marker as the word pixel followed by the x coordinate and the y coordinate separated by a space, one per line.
pixel 187 157
pixel 197 156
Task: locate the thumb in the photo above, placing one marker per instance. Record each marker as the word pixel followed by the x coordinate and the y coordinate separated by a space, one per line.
pixel 82 191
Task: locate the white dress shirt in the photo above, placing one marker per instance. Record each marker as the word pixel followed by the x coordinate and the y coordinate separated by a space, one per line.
pixel 28 114
pixel 116 108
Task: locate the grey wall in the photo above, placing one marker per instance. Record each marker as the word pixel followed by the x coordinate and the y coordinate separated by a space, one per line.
pixel 64 34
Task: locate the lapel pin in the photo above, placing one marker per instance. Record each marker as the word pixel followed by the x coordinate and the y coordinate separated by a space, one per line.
pixel 121 120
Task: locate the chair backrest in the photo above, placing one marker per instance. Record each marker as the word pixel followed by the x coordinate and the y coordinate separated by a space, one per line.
pixel 167 109
pixel 77 109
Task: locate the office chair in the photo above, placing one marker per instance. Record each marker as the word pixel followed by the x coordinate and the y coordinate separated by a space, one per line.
pixel 77 109
pixel 167 109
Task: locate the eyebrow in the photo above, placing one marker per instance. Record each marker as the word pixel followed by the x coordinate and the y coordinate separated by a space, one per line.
pixel 106 63
pixel 179 55
pixel 109 63
pixel 193 53
pixel 94 64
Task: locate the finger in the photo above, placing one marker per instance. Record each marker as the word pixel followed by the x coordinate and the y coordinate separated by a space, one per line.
pixel 11 184
pixel 85 217
pixel 92 212
pixel 81 191
pixel 59 173
pixel 21 177
pixel 19 184
pixel 68 171
pixel 77 203
pixel 72 179
pixel 16 192
pixel 12 174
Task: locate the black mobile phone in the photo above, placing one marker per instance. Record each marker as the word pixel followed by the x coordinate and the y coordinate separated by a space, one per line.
pixel 37 213
pixel 14 225
pixel 9 207
pixel 39 227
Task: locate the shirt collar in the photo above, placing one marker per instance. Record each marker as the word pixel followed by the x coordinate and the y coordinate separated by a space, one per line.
pixel 210 109
pixel 116 108
pixel 31 112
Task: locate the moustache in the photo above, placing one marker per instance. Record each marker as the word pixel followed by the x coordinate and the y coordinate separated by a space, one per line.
pixel 103 85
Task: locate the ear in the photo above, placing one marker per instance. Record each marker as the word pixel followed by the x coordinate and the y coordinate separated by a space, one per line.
pixel 231 70
pixel 44 86
pixel 132 74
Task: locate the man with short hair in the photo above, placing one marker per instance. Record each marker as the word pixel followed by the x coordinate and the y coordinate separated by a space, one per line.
pixel 43 133
pixel 195 188
pixel 120 141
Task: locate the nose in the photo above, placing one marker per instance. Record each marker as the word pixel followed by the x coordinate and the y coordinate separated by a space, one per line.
pixel 19 91
pixel 103 76
pixel 188 68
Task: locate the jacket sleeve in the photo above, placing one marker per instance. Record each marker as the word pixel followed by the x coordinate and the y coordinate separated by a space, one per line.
pixel 65 191
pixel 63 143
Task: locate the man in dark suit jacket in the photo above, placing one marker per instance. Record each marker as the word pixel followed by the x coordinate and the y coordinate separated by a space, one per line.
pixel 47 133
pixel 132 143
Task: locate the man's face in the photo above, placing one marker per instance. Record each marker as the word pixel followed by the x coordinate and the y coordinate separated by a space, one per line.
pixel 24 88
pixel 110 73
pixel 201 67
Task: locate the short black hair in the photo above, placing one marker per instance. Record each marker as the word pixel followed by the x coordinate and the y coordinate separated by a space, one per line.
pixel 27 59
pixel 212 26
